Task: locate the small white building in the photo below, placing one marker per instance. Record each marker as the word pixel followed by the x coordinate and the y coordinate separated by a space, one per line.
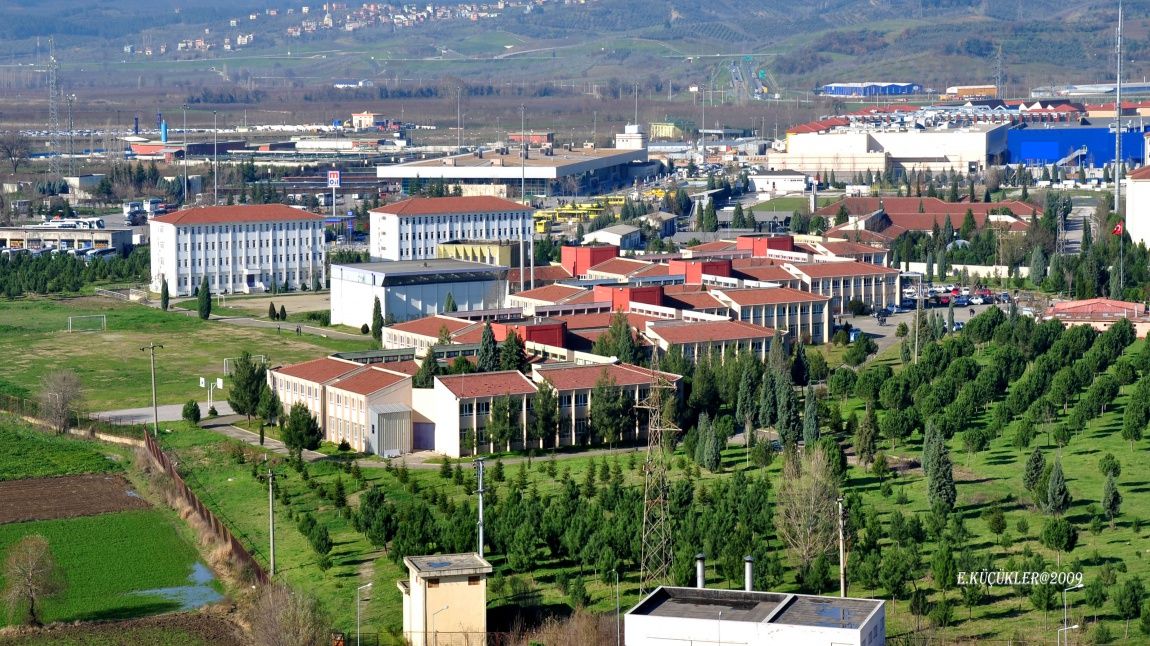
pixel 411 229
pixel 623 236
pixel 240 249
pixel 445 599
pixel 779 181
pixel 1137 205
pixel 413 289
pixel 687 616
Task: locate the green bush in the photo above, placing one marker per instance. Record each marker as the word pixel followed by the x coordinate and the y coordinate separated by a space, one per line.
pixel 191 412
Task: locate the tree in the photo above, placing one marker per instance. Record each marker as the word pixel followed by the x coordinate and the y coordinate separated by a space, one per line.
pixel 301 431
pixel 191 411
pixel 205 300
pixel 488 360
pixel 61 393
pixel 943 567
pixel 273 314
pixel 1057 494
pixel 512 355
pixel 283 313
pixel 1128 601
pixel 1111 499
pixel 1037 265
pixel 1059 535
pixel 449 303
pixel 164 298
pixel 1096 594
pixel 545 420
pixel 376 321
pixel 248 381
pixel 269 408
pixel 940 485
pixel 800 369
pixel 425 376
pixel 746 406
pixel 806 510
pixel 610 412
pixel 810 418
pixel 15 147
pixel 866 437
pixel 1035 465
pixel 710 220
pixel 285 617
pixel 30 576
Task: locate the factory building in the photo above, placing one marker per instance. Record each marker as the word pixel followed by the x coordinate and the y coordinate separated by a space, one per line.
pixel 1088 143
pixel 870 88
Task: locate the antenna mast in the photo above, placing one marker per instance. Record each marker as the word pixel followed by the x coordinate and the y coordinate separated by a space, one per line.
pixel 655 562
pixel 54 148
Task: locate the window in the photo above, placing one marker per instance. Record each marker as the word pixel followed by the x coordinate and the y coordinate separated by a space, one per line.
pixel 565 401
pixel 483 407
pixel 580 399
pixel 466 409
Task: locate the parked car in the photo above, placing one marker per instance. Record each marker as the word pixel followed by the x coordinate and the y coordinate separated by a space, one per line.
pixel 944 299
pixel 977 300
pixel 1004 298
pixel 958 325
pixel 966 291
pixel 961 301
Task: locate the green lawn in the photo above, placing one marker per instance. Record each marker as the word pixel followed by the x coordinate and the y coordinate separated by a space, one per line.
pixel 790 203
pixel 108 560
pixel 27 453
pixel 114 371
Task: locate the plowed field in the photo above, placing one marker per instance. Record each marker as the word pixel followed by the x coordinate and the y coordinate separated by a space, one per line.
pixel 66 497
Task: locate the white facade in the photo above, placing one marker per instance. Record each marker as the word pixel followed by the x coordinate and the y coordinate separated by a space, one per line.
pixel 371 411
pixel 623 236
pixel 779 182
pixel 411 230
pixel 1137 205
pixel 240 249
pixel 413 290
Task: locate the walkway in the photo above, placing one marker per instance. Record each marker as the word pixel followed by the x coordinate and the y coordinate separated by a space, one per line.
pixel 167 413
pixel 224 426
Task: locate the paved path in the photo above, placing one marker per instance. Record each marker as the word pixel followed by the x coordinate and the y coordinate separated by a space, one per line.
pixel 224 426
pixel 167 413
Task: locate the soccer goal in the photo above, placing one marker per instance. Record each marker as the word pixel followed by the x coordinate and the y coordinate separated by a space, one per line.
pixel 88 323
pixel 230 362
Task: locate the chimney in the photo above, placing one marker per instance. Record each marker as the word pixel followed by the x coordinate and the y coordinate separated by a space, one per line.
pixel 700 570
pixel 748 572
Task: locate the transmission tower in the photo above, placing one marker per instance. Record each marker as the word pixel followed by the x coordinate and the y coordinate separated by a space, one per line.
pixel 999 75
pixel 655 566
pixel 54 148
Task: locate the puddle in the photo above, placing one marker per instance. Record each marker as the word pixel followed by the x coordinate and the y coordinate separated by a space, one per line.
pixel 197 594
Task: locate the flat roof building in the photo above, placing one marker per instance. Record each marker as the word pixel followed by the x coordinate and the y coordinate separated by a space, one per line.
pixel 704 616
pixel 445 599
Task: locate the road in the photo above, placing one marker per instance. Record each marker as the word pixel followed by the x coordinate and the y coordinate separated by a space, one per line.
pixel 167 413
pixel 1076 222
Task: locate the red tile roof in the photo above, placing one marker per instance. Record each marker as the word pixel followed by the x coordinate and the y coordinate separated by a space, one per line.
pixel 657 269
pixel 369 381
pixel 601 320
pixel 1141 173
pixel 847 248
pixel 319 370
pixel 552 293
pixel 619 266
pixel 930 205
pixel 771 296
pixel 488 384
pixel 568 377
pixel 678 332
pixel 236 214
pixel 544 274
pixel 830 269
pixel 819 126
pixel 407 367
pixel 1097 307
pixel 766 273
pixel 714 245
pixel 431 325
pixel 448 205
pixel 693 301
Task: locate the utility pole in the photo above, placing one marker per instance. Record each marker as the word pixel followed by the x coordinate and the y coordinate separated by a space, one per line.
pixel 185 195
pixel 71 140
pixel 151 348
pixel 479 492
pixel 53 112
pixel 524 145
pixel 215 162
pixel 271 519
pixel 1118 156
pixel 842 553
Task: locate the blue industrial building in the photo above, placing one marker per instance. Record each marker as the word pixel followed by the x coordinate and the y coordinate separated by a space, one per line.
pixel 1055 142
pixel 869 88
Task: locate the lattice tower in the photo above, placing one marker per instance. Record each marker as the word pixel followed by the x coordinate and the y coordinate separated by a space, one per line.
pixel 655 566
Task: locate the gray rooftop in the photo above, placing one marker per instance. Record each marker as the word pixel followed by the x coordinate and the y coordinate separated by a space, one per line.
pixel 758 607
pixel 448 564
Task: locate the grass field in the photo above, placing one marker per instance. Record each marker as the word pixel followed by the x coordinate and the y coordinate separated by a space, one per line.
pixel 790 203
pixel 26 453
pixel 114 371
pixel 120 555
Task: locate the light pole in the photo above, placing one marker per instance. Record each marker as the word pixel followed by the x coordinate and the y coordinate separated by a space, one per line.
pixel 215 161
pixel 1062 631
pixel 185 195
pixel 618 632
pixel 151 348
pixel 357 613
pixel 434 632
pixel 271 519
pixel 842 554
pixel 1077 586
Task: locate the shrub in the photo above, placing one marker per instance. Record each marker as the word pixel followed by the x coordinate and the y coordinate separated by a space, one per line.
pixel 364 329
pixel 344 446
pixel 191 411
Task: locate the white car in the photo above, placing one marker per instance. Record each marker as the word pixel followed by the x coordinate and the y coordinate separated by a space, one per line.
pixel 966 291
pixel 977 300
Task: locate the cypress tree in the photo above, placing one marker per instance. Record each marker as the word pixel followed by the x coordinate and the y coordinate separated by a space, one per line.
pixel 810 419
pixel 800 369
pixel 272 314
pixel 1111 499
pixel 283 313
pixel 425 378
pixel 205 300
pixel 703 433
pixel 376 321
pixel 940 486
pixel 1057 495
pixel 1035 465
pixel 164 295
pixel 488 360
pixel 449 303
pixel 789 426
pixel 767 404
pixel 745 407
pixel 932 447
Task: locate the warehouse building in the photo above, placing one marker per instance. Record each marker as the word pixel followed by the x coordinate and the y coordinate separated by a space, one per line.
pixel 871 88
pixel 1086 143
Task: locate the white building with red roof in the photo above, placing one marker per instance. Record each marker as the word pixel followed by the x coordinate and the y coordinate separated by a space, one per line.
pixel 239 249
pixel 411 229
pixel 424 332
pixel 846 281
pixel 574 389
pixel 307 383
pixel 803 315
pixel 1101 313
pixel 371 411
pixel 724 338
pixel 452 416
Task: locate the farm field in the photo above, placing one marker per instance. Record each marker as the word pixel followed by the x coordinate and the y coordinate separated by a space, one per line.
pixel 188 629
pixel 66 497
pixel 27 453
pixel 114 371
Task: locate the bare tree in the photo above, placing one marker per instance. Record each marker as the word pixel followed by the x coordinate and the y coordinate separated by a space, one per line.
pixel 61 393
pixel 806 513
pixel 31 576
pixel 283 617
pixel 15 147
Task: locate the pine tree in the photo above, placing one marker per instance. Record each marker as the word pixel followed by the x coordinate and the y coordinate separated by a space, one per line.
pixel 283 313
pixel 1057 494
pixel 800 369
pixel 1035 465
pixel 272 313
pixel 789 426
pixel 811 418
pixel 377 321
pixel 940 486
pixel 205 300
pixel 932 446
pixel 512 355
pixel 1111 499
pixel 164 298
pixel 488 360
pixel 767 402
pixel 425 377
pixel 746 406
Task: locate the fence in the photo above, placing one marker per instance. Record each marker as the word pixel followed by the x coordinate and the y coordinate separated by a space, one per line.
pixel 241 555
pixel 109 429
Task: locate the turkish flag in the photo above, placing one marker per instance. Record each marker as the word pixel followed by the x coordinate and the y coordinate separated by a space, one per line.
pixel 1117 229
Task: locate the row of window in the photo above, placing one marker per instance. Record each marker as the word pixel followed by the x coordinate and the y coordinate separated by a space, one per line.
pixel 249 228
pixel 250 244
pixel 465 218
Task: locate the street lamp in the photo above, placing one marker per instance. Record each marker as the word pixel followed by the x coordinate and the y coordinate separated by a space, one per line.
pixel 357 613
pixel 1062 631
pixel 1077 586
pixel 433 631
